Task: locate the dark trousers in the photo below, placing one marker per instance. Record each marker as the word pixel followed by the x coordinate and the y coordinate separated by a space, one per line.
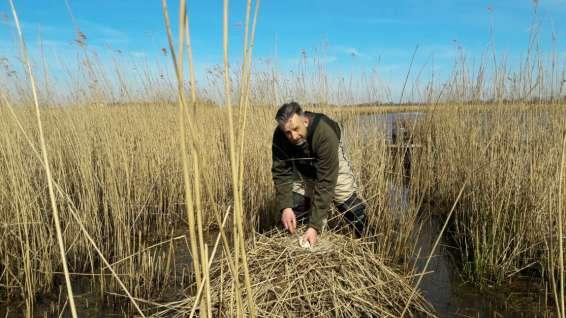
pixel 352 210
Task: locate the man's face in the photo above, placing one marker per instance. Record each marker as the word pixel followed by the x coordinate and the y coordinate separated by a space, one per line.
pixel 295 129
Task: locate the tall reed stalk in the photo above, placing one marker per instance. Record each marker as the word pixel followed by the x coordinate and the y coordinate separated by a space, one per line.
pixel 52 197
pixel 193 217
pixel 239 244
pixel 561 228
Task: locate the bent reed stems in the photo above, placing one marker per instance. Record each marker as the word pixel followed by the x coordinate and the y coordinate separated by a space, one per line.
pixel 116 171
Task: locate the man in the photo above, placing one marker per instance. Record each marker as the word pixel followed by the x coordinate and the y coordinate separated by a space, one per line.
pixel 310 170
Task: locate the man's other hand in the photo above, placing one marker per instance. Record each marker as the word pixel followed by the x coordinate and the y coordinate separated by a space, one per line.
pixel 310 236
pixel 289 221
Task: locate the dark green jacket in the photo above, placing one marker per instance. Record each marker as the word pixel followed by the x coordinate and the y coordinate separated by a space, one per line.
pixel 316 160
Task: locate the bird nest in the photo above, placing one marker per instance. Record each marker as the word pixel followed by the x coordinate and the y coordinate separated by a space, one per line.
pixel 338 277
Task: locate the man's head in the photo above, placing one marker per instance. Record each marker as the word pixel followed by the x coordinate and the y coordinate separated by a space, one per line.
pixel 293 122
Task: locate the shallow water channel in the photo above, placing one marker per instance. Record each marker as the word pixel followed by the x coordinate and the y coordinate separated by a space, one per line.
pixel 452 297
pixel 443 286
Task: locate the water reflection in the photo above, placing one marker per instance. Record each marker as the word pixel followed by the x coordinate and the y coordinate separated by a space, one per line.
pixel 443 287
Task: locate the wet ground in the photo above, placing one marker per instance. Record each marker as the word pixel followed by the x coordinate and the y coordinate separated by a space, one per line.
pixel 452 297
pixel 87 301
pixel 443 286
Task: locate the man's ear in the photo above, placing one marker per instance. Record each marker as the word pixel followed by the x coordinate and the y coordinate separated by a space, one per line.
pixel 306 121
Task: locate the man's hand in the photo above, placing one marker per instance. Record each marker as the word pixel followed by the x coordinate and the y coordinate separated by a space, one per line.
pixel 289 221
pixel 310 236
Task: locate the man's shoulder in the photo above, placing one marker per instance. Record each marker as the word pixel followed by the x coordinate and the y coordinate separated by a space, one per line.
pixel 324 127
pixel 324 139
pixel 320 116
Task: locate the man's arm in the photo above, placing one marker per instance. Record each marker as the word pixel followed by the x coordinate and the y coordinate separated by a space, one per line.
pixel 282 172
pixel 325 147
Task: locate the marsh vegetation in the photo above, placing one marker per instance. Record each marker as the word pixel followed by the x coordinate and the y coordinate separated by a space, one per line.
pixel 160 204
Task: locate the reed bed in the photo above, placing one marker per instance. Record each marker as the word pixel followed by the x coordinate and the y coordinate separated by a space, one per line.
pixel 117 206
pixel 124 180
pixel 118 168
pixel 510 158
pixel 339 277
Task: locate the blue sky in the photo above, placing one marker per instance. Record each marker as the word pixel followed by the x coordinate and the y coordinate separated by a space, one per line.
pixel 350 36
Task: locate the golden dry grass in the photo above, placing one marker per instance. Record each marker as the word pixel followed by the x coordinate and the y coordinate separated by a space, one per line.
pixel 121 170
pixel 510 159
pixel 339 277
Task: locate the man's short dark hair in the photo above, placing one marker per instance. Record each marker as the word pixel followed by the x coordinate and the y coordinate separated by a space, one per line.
pixel 287 111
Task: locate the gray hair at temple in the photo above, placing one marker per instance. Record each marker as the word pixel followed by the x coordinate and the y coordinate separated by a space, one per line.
pixel 287 111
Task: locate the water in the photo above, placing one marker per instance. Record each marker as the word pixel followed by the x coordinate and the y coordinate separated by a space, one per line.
pixel 87 302
pixel 452 297
pixel 443 287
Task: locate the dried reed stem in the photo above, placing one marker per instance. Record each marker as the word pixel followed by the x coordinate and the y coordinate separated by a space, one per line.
pixel 192 80
pixel 246 75
pixel 46 166
pixel 189 202
pixel 206 278
pixel 238 205
pixel 560 228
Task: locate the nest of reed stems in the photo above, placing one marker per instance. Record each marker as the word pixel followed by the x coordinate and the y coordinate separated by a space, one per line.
pixel 338 277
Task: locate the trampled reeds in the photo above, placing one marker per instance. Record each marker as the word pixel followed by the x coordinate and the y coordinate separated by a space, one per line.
pixel 339 277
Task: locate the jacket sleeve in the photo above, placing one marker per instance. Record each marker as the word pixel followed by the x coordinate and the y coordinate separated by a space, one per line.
pixel 325 147
pixel 282 172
